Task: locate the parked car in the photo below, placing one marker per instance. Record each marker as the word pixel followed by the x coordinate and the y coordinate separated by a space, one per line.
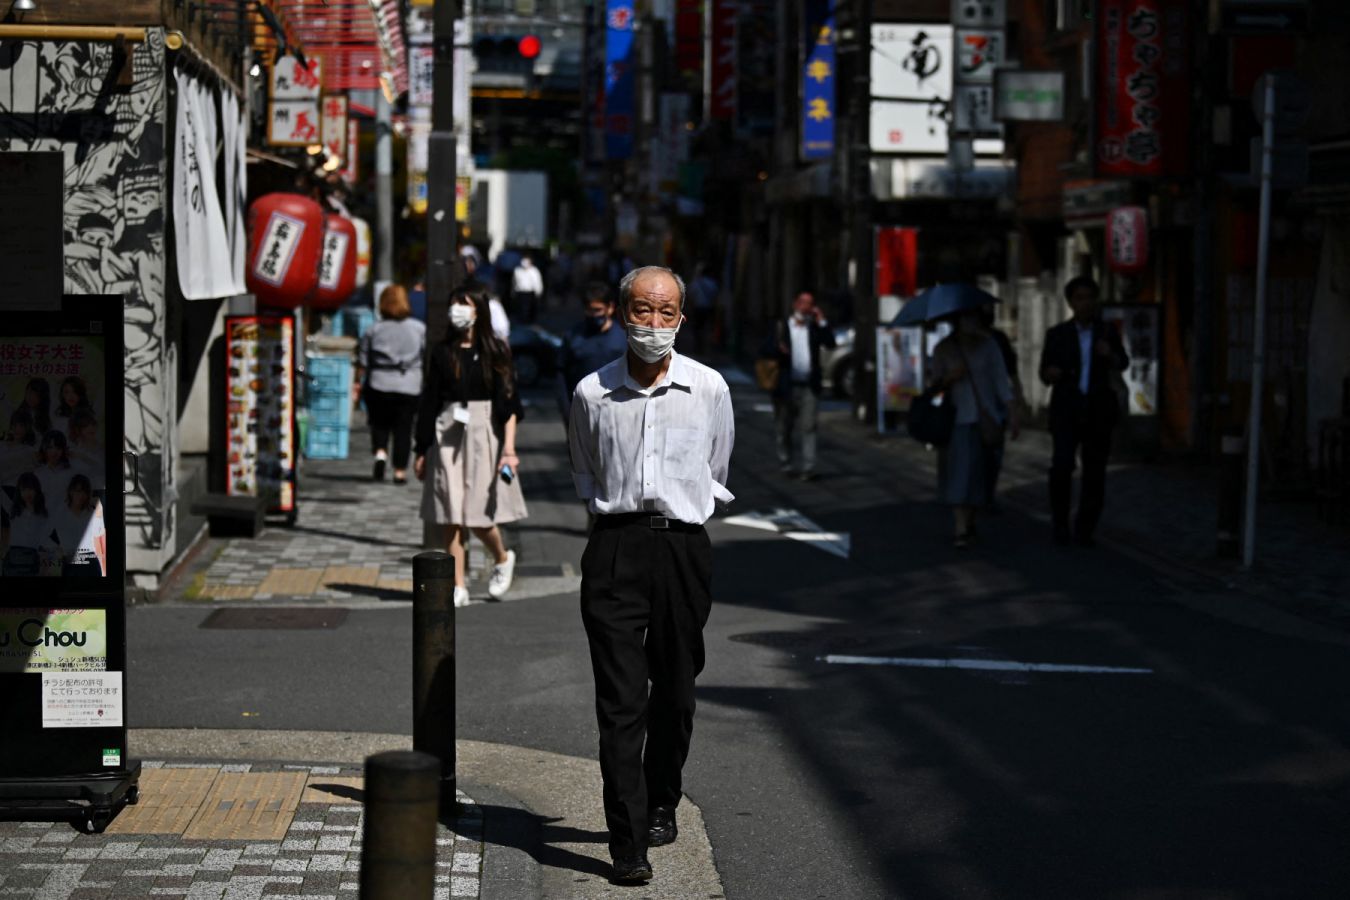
pixel 836 363
pixel 535 353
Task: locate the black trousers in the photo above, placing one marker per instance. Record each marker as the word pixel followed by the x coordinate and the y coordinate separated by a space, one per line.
pixel 645 597
pixel 391 414
pixel 1092 440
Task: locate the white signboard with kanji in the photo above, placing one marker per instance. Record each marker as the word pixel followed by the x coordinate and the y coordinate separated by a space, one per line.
pixel 912 61
pixel 81 699
pixel 421 71
pixel 292 81
pixel 293 123
pixel 334 125
pixel 973 110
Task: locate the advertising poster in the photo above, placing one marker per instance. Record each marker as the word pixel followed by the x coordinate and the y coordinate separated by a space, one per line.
pixel 88 700
pixel 1139 333
pixel 818 81
pixel 260 408
pixel 53 478
pixel 53 640
pixel 899 367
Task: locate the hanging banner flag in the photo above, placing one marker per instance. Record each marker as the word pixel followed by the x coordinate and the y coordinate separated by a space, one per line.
pixel 1143 114
pixel 689 42
pixel 1127 239
pixel 620 79
pixel 205 258
pixel 721 87
pixel 818 72
pixel 334 125
pixel 350 170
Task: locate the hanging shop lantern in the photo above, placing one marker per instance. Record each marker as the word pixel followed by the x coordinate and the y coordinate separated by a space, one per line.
pixel 337 265
pixel 362 252
pixel 1127 239
pixel 285 237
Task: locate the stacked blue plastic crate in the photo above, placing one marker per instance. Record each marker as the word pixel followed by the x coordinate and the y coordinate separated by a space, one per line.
pixel 330 407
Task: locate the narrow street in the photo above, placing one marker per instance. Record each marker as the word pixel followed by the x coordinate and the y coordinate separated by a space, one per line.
pixel 912 721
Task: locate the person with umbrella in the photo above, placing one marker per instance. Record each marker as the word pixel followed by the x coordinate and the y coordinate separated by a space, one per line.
pixel 968 368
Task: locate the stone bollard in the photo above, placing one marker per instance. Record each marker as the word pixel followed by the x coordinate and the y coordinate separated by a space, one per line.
pixel 398 853
pixel 434 665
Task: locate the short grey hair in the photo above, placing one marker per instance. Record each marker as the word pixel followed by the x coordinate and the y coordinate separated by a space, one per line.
pixel 626 283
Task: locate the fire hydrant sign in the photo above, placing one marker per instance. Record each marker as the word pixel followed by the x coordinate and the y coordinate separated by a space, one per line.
pixel 82 700
pixel 53 640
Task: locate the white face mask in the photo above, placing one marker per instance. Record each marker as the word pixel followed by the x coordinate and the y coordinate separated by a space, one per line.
pixel 461 316
pixel 651 344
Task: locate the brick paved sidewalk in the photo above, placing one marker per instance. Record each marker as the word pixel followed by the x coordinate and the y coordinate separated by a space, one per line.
pixel 225 832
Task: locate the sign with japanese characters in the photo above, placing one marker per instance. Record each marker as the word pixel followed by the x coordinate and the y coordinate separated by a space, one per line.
pixel 334 125
pixel 973 110
pixel 293 123
pixel 260 408
pixel 1143 85
pixel 912 73
pixel 289 80
pixel 333 258
pixel 722 62
pixel 1022 96
pixel 53 640
pixel 82 700
pixel 620 79
pixel 421 72
pixel 818 81
pixel 1127 239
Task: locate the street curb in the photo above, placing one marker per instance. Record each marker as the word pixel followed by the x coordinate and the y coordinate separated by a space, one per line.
pixel 510 845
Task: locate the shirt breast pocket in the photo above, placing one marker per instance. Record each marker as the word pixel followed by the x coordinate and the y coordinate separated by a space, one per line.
pixel 685 457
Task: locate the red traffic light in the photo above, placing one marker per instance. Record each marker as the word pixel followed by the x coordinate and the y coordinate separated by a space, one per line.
pixel 529 46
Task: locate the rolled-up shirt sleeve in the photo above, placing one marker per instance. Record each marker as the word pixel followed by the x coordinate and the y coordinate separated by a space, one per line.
pixel 580 440
pixel 723 437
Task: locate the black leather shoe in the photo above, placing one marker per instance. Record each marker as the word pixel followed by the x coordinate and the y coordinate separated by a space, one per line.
pixel 661 828
pixel 377 472
pixel 632 869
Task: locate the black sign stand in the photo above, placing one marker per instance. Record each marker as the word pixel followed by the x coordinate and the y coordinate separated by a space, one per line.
pixel 63 654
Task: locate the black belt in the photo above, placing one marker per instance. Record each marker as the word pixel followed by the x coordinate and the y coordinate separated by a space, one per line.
pixel 654 522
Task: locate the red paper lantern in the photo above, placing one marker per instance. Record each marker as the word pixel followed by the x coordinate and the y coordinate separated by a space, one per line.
pixel 285 237
pixel 337 264
pixel 1127 239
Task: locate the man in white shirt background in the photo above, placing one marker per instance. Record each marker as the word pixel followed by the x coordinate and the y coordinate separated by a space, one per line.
pixel 796 343
pixel 650 439
pixel 527 289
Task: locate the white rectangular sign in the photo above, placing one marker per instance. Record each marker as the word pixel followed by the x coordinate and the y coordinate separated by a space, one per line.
pixel 973 110
pixel 293 123
pixel 902 127
pixel 421 68
pixel 278 245
pixel 912 61
pixel 332 260
pixel 81 699
pixel 292 81
pixel 1029 96
pixel 333 126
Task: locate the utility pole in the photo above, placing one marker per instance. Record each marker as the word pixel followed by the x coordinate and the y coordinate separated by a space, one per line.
pixel 384 190
pixel 442 259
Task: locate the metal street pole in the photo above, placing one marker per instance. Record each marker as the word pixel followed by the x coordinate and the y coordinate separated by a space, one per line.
pixel 1259 326
pixel 441 225
pixel 384 190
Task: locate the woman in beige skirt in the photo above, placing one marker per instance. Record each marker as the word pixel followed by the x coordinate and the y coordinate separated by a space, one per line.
pixel 466 440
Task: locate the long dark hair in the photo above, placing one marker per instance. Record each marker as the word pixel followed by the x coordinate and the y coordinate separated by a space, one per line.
pixel 29 480
pixel 493 354
pixel 82 483
pixel 82 396
pixel 58 440
pixel 22 417
pixel 42 413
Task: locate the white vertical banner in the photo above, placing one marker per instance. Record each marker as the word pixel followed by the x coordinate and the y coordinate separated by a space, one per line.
pixel 204 257
pixel 234 134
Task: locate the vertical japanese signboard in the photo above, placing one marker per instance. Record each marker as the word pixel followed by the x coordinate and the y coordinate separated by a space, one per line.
pixel 689 42
pixel 721 87
pixel 620 79
pixel 293 103
pixel 911 87
pixel 818 78
pixel 334 127
pixel 260 409
pixel 1143 110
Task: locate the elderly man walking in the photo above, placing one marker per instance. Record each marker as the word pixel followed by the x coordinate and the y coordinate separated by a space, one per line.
pixel 651 436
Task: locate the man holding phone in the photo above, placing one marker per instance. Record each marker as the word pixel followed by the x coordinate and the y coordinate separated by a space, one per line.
pixel 796 343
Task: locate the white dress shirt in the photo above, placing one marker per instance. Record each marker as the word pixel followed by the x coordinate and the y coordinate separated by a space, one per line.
pixel 1085 356
pixel 527 280
pixel 800 340
pixel 665 449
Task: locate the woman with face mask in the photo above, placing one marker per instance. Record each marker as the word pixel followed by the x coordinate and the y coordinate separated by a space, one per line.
pixel 466 440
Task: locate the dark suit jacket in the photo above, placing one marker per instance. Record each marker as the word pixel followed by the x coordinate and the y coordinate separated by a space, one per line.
pixel 821 336
pixel 1101 405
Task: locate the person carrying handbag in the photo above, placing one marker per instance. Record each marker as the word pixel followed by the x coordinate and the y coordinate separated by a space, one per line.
pixel 969 368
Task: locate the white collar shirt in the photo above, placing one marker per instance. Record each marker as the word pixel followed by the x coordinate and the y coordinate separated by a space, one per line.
pixel 664 449
pixel 1085 356
pixel 527 279
pixel 800 335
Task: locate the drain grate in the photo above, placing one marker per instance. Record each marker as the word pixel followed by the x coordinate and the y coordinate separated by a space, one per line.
pixel 276 618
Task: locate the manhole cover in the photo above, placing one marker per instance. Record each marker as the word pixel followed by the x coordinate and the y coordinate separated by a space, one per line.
pixel 276 618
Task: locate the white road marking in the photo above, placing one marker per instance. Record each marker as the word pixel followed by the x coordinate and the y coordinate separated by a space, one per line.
pixel 795 526
pixel 986 665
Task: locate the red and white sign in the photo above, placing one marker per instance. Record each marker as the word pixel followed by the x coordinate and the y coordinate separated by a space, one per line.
pixel 722 58
pixel 293 123
pixel 978 54
pixel 1127 239
pixel 291 81
pixel 334 125
pixel 1143 88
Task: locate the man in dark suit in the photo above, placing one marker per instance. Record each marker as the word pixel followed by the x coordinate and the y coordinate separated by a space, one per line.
pixel 796 343
pixel 1081 361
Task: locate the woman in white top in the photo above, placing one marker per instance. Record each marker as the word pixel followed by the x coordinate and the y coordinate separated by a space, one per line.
pixel 73 395
pixel 53 469
pixel 30 530
pixel 81 532
pixel 969 368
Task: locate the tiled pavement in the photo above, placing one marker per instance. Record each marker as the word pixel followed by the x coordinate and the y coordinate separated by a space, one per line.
pixel 312 849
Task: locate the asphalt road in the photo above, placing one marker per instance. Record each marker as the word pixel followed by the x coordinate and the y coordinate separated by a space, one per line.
pixel 1198 758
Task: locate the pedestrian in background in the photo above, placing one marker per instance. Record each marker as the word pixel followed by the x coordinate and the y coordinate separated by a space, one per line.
pixel 594 341
pixel 703 307
pixel 466 440
pixel 650 443
pixel 1081 361
pixel 527 289
pixel 795 343
pixel 389 362
pixel 968 367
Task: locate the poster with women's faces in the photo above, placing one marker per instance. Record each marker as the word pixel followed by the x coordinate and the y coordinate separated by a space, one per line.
pixel 53 461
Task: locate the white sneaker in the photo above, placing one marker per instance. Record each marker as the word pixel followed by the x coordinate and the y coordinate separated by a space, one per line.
pixel 461 596
pixel 502 573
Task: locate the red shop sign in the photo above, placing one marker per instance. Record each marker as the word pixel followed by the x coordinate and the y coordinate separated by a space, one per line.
pixel 722 61
pixel 1127 239
pixel 1143 109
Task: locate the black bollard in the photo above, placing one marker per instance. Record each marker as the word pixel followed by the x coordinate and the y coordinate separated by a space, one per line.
pixel 434 665
pixel 398 853
pixel 1232 465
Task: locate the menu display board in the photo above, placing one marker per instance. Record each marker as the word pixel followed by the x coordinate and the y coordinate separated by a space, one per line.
pixel 261 453
pixel 53 457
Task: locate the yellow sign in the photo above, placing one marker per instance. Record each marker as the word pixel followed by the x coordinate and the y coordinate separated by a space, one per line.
pixel 819 109
pixel 819 70
pixel 53 640
pixel 463 186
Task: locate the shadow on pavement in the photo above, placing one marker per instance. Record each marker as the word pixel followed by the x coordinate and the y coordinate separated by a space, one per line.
pixel 537 836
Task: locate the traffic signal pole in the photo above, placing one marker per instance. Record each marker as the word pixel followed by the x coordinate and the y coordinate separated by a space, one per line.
pixel 442 260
